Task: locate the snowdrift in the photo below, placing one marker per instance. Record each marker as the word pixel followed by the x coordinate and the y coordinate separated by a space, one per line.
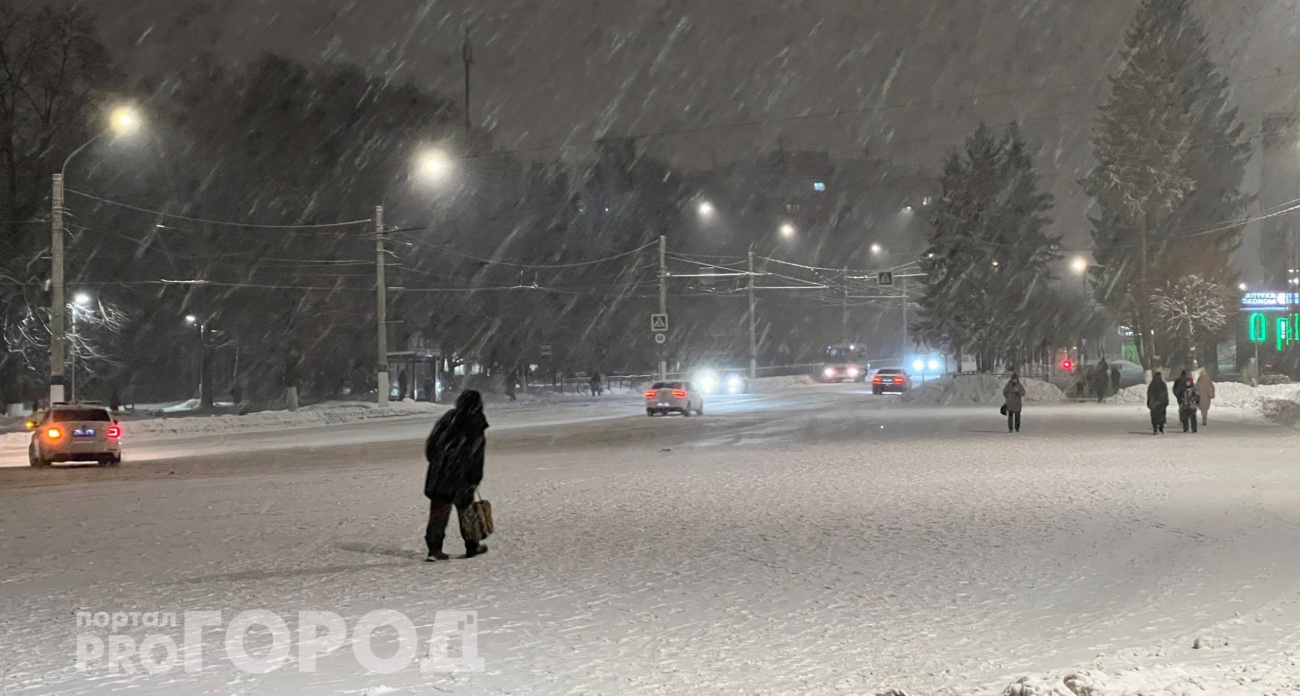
pixel 1226 395
pixel 977 390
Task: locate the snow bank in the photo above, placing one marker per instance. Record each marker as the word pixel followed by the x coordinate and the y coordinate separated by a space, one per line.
pixel 332 413
pixel 1226 395
pixel 978 390
pixel 1162 680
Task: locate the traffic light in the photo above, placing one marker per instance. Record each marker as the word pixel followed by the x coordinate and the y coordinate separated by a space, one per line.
pixel 1067 364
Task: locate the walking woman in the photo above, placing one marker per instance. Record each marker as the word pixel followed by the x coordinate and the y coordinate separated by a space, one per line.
pixel 1014 393
pixel 1157 402
pixel 455 450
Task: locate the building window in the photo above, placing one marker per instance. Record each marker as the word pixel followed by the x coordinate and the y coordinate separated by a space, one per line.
pixel 793 208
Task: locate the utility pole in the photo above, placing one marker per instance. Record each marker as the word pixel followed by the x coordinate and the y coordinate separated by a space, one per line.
pixel 206 396
pixel 902 356
pixel 381 308
pixel 58 308
pixel 663 300
pixel 467 55
pixel 753 331
pixel 844 309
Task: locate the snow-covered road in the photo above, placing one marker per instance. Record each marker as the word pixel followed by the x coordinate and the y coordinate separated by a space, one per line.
pixel 814 540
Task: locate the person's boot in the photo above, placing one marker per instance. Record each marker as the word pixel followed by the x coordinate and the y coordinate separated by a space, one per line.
pixel 476 550
pixel 436 556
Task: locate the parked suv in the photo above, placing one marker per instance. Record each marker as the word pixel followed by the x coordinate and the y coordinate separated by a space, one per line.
pixel 75 433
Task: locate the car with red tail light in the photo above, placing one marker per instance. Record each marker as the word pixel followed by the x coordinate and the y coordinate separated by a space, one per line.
pixel 75 432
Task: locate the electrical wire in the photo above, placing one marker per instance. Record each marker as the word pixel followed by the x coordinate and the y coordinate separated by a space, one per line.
pixel 203 221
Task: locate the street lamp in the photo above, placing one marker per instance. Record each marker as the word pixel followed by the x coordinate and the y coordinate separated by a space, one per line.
pixel 124 120
pixel 705 209
pixel 788 231
pixel 205 361
pixel 1079 265
pixel 876 249
pixel 435 165
pixel 1242 287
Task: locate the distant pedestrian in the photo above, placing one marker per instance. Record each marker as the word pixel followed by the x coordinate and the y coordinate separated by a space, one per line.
pixel 1114 379
pixel 1101 380
pixel 1014 393
pixel 401 385
pixel 455 452
pixel 115 402
pixel 1205 387
pixel 1188 403
pixel 1180 385
pixel 1157 402
pixel 510 385
pixel 597 385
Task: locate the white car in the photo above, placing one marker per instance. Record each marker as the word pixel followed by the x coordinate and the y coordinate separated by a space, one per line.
pixel 664 398
pixel 75 433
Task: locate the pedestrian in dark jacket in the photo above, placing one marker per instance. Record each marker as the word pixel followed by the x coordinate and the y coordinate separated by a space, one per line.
pixel 1188 402
pixel 1115 378
pixel 1014 393
pixel 455 451
pixel 1157 402
pixel 1101 379
pixel 1180 385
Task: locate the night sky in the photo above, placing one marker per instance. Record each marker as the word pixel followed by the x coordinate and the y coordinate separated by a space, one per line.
pixel 565 71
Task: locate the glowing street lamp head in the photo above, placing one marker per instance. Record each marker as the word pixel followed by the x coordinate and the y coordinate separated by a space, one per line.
pixel 125 120
pixel 876 249
pixel 435 165
pixel 787 230
pixel 705 209
pixel 82 299
pixel 191 319
pixel 1079 265
pixel 1243 287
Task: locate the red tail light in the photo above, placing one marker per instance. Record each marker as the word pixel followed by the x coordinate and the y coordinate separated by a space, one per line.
pixel 114 432
pixel 877 379
pixel 54 433
pixel 898 380
pixel 651 394
pixel 679 393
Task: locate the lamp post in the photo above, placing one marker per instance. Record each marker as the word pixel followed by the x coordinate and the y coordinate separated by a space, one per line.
pixel 206 400
pixel 122 121
pixel 433 167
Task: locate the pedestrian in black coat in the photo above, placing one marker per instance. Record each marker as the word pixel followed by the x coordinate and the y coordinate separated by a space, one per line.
pixel 1180 385
pixel 1157 402
pixel 455 452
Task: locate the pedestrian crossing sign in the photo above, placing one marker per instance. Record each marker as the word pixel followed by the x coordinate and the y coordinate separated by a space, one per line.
pixel 885 279
pixel 658 323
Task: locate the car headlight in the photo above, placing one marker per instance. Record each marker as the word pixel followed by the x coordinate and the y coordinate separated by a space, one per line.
pixel 918 365
pixel 934 365
pixel 853 372
pixel 829 372
pixel 735 384
pixel 708 382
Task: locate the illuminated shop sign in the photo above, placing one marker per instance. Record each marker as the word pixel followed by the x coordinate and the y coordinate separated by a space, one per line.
pixel 1276 300
pixel 1282 331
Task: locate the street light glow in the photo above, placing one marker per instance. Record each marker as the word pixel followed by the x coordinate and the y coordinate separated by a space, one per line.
pixel 1079 265
pixel 190 319
pixel 705 209
pixel 82 299
pixel 876 249
pixel 125 120
pixel 435 164
pixel 1242 287
pixel 787 230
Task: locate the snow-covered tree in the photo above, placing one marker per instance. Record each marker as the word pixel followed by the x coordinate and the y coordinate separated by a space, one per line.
pixel 1170 157
pixel 989 250
pixel 1193 310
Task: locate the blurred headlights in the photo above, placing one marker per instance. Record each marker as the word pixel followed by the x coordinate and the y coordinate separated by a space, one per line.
pixel 708 382
pixel 735 384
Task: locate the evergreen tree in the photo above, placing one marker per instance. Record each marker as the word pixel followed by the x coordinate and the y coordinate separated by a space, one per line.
pixel 1170 160
pixel 989 250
